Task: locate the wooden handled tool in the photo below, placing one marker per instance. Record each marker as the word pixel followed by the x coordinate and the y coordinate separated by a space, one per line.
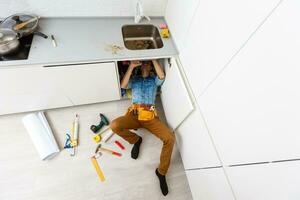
pixel 99 148
pixel 98 169
pixel 74 138
pixel 110 151
pixel 75 131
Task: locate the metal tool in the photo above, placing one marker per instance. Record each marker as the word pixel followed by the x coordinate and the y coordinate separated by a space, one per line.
pixel 104 121
pixel 68 145
pixel 68 142
pixel 99 148
pixel 53 41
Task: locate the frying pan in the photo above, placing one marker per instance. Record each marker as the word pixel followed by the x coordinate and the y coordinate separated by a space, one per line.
pixel 23 24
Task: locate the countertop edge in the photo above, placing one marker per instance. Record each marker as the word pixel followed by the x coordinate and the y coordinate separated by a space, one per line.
pixel 169 51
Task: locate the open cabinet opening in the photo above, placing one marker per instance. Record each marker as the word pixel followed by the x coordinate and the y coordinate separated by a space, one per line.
pixel 173 93
pixel 123 67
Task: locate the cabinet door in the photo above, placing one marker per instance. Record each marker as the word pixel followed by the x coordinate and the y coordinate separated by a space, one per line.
pixel 87 83
pixel 175 97
pixel 29 89
pixel 252 109
pixel 209 184
pixel 276 181
pixel 195 145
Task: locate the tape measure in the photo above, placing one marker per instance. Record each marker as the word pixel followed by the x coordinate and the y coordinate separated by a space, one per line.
pixel 97 138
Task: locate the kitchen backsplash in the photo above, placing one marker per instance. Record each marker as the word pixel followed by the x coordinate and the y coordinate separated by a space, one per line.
pixel 69 8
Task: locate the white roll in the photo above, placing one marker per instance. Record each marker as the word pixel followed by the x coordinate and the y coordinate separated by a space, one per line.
pixel 41 135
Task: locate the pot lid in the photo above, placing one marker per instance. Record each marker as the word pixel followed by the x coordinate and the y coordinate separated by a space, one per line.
pixel 12 21
pixel 7 35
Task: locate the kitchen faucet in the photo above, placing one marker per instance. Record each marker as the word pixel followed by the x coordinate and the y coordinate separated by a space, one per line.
pixel 139 13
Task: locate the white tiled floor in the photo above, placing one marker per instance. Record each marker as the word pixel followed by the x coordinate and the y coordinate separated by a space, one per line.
pixel 24 177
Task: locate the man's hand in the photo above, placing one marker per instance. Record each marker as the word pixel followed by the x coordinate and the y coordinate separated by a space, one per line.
pixel 135 63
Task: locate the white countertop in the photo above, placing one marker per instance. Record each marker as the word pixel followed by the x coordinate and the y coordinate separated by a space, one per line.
pixel 86 40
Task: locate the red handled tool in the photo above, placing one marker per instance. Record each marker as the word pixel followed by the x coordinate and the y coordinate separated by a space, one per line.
pixel 119 144
pixel 99 148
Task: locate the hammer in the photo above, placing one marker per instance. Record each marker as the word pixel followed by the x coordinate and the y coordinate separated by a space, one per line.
pixel 104 121
pixel 99 148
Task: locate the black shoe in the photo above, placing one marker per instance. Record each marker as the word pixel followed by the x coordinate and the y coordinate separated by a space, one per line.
pixel 136 149
pixel 162 182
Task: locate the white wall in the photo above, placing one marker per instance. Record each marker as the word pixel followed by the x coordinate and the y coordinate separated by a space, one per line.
pixel 241 60
pixel 53 8
pixel 179 15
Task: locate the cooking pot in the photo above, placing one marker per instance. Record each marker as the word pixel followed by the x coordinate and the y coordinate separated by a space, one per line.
pixel 9 41
pixel 23 24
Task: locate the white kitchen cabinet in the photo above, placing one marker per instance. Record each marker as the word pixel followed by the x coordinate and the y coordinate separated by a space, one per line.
pixel 87 83
pixel 175 97
pixel 209 184
pixel 179 15
pixel 37 88
pixel 252 109
pixel 276 181
pixel 195 145
pixel 29 88
pixel 218 30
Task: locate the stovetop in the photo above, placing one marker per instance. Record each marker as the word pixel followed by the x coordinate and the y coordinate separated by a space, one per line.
pixel 22 52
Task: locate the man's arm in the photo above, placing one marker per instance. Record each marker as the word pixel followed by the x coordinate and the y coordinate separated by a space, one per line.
pixel 160 73
pixel 125 80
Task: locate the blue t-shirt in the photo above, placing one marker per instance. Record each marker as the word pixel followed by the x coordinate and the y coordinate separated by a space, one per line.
pixel 144 89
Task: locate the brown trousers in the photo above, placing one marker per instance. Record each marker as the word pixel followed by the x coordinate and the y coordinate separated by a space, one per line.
pixel 122 125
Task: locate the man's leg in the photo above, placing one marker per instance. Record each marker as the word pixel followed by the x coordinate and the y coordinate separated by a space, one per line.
pixel 123 124
pixel 121 127
pixel 160 130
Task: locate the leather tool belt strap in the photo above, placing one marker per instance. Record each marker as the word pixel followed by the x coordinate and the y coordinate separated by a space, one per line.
pixel 144 112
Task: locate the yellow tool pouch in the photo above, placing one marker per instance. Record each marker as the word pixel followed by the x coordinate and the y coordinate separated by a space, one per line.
pixel 128 111
pixel 145 115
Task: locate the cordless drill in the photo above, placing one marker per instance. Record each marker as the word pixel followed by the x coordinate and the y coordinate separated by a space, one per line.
pixel 104 121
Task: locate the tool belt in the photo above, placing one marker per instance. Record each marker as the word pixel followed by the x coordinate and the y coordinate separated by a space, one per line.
pixel 143 111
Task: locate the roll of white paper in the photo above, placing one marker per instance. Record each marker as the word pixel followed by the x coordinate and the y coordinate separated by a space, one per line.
pixel 41 135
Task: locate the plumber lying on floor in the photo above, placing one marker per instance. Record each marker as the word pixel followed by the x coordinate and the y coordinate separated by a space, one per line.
pixel 142 114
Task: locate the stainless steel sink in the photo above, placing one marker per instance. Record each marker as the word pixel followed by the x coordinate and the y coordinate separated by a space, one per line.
pixel 141 36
